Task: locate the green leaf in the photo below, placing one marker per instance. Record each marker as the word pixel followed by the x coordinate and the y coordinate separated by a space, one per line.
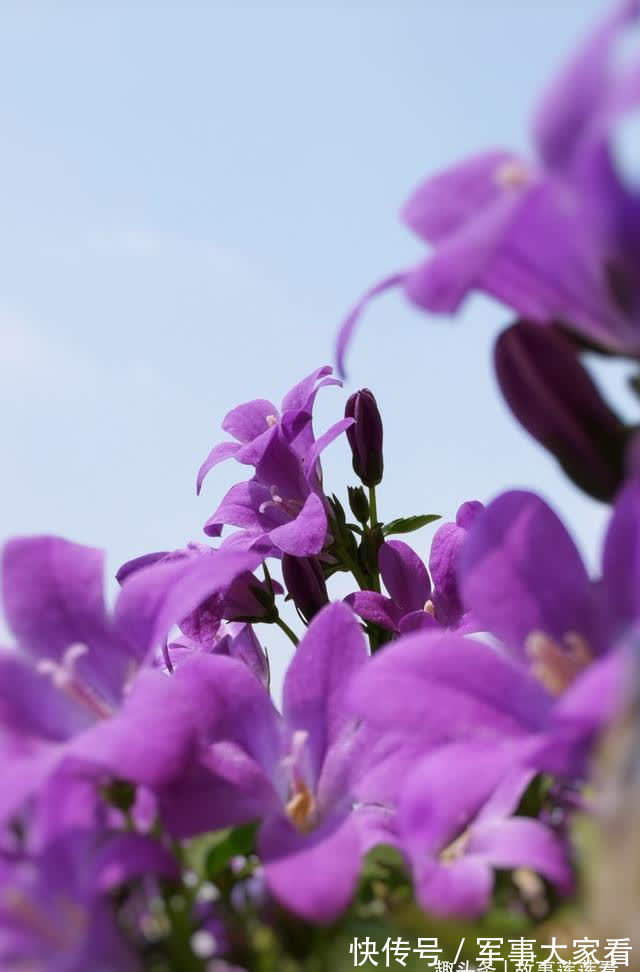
pixel 233 842
pixel 407 524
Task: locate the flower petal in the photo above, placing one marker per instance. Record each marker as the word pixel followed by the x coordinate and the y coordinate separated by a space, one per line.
pixel 621 559
pixel 220 452
pixel 313 875
pixel 439 686
pixel 305 535
pixel 348 326
pixel 462 888
pixel 404 575
pixel 53 599
pixel 520 842
pixel 249 420
pixel 521 573
pixel 53 594
pixel 331 652
pixel 157 597
pixel 567 110
pixel 375 607
pixel 445 791
pixel 446 201
pixel 224 787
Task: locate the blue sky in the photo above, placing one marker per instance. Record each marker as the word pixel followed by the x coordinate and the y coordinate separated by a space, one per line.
pixel 193 195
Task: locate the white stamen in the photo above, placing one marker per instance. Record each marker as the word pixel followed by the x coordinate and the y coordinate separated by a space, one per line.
pixel 272 420
pixel 63 676
pixel 429 608
pixel 62 672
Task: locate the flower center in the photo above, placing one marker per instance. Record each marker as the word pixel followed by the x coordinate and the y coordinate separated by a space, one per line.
pixel 456 848
pixel 64 678
pixel 290 506
pixel 512 175
pixel 557 665
pixel 429 608
pixel 272 420
pixel 301 808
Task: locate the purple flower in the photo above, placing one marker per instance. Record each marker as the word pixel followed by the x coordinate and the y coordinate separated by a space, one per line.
pixel 455 824
pixel 523 579
pixel 304 580
pixel 206 628
pixel 56 912
pixel 320 785
pixel 74 663
pixel 412 603
pixel 282 509
pixel 556 240
pixel 554 678
pixel 551 393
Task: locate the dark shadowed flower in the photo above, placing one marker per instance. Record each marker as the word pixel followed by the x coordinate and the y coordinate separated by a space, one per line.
pixel 304 580
pixel 551 393
pixel 282 508
pixel 557 239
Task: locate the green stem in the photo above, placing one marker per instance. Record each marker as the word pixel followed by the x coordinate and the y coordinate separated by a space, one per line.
pixel 373 506
pixel 291 635
pixel 373 519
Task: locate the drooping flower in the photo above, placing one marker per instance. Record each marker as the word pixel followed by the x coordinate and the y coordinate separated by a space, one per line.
pixel 456 825
pixel 556 240
pixel 412 602
pixel 551 393
pixel 305 583
pixel 282 508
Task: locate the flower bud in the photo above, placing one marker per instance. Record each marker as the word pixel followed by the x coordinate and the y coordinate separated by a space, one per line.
pixel 365 436
pixel 305 584
pixel 553 396
pixel 359 504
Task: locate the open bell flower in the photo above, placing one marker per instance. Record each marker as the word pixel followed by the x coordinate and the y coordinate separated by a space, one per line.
pixel 282 508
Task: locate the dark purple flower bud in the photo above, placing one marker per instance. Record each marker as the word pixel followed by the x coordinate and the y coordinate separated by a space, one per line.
pixel 305 584
pixel 552 395
pixel 365 436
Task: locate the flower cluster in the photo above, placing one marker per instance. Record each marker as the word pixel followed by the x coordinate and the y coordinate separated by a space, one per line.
pixel 437 729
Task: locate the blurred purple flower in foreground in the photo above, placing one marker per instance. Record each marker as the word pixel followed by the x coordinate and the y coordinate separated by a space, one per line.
pixel 556 240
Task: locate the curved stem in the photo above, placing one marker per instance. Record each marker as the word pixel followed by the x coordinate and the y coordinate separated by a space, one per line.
pixel 291 635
